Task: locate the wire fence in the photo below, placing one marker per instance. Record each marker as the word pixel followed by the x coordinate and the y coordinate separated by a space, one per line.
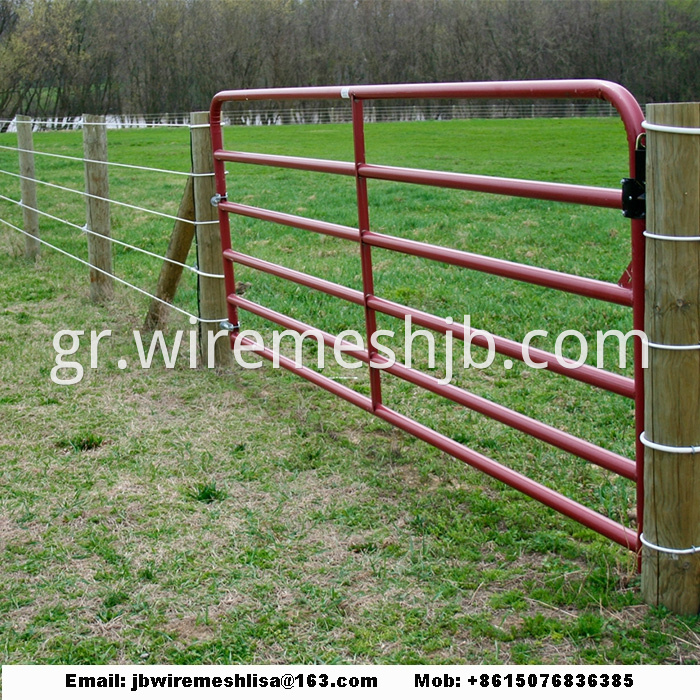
pixel 58 249
pixel 83 227
pixel 136 207
pixel 106 162
pixel 262 114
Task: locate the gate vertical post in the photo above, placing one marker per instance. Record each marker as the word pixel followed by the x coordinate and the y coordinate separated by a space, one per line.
pixel 97 208
pixel 212 291
pixel 672 381
pixel 358 130
pixel 25 142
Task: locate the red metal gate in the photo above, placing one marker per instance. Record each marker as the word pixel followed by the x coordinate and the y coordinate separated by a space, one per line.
pixel 630 295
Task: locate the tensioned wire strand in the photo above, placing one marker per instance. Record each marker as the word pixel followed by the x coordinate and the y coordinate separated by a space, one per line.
pixel 106 162
pixel 114 277
pixel 106 199
pixel 60 123
pixel 85 229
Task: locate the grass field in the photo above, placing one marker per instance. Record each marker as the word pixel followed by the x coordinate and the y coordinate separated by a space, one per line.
pixel 188 516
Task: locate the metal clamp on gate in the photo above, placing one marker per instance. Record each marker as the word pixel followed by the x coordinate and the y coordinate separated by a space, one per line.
pixel 218 198
pixel 230 327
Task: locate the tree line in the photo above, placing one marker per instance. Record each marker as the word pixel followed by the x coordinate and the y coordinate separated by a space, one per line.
pixel 66 57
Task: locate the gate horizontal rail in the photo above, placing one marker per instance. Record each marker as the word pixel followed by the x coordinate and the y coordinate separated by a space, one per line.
pixel 361 171
pixel 583 286
pixel 587 374
pixel 532 189
pixel 559 438
pixel 586 516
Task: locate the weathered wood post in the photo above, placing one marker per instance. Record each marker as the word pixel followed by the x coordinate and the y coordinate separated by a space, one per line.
pixel 212 292
pixel 671 556
pixel 25 142
pixel 97 185
pixel 178 249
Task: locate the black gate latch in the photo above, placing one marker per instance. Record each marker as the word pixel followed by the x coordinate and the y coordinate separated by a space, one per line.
pixel 634 189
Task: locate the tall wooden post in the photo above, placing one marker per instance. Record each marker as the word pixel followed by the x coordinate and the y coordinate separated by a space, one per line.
pixel 212 292
pixel 97 183
pixel 25 142
pixel 670 564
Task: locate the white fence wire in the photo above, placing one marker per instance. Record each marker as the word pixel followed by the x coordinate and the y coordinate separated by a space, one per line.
pixel 110 275
pixel 84 229
pixel 261 115
pixel 269 115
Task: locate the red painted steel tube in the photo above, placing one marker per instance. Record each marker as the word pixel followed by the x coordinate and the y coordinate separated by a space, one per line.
pixel 319 165
pixel 595 376
pixel 277 217
pixel 296 325
pixel 587 374
pixel 595 289
pixel 353 397
pixel 224 225
pixel 332 288
pixel 619 97
pixel 558 438
pixel 623 101
pixel 534 189
pixel 358 138
pixel 595 521
pixel 583 286
pixel 505 89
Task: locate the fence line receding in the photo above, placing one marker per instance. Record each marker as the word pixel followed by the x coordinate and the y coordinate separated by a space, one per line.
pixel 174 260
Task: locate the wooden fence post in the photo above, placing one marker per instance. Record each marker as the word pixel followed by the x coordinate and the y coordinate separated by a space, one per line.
pixel 25 141
pixel 672 381
pixel 212 292
pixel 178 249
pixel 97 184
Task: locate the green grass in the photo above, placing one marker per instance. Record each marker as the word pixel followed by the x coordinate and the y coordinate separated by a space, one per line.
pixel 193 516
pixel 206 493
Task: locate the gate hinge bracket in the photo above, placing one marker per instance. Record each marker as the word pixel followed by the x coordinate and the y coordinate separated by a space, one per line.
pixel 217 198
